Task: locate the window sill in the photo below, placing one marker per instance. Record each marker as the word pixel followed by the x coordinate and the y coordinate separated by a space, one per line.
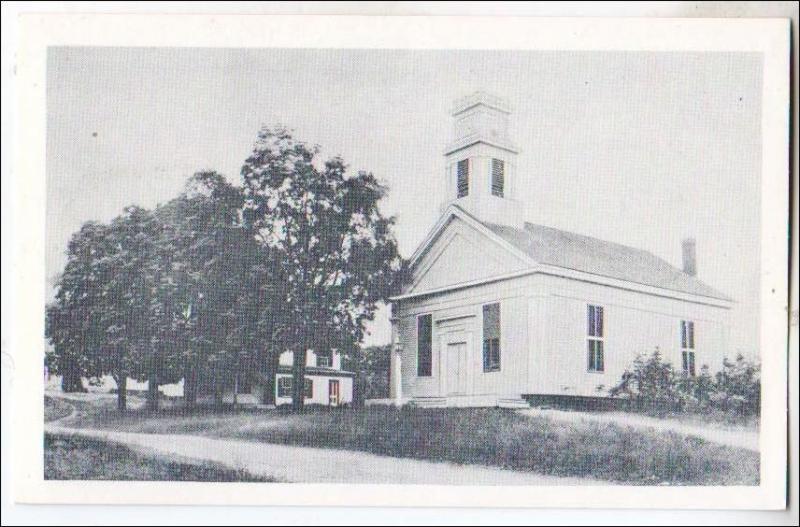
pixel 596 372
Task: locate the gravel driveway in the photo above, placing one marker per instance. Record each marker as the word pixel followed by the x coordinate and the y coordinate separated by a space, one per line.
pixel 319 465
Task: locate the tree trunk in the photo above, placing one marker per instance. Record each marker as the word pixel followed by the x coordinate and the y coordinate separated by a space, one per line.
pixel 122 391
pixel 270 376
pixel 235 390
pixel 217 391
pixel 190 387
pixel 71 379
pixel 298 385
pixel 152 392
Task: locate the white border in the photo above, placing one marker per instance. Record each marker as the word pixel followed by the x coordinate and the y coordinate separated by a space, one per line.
pixel 768 36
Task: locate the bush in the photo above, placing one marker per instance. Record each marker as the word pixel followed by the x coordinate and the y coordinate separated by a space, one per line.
pixel 651 384
pixel 738 387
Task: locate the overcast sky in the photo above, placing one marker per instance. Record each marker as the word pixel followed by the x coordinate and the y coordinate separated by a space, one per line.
pixel 637 148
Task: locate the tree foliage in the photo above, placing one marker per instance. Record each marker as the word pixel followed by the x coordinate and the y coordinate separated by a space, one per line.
pixel 336 253
pixel 214 284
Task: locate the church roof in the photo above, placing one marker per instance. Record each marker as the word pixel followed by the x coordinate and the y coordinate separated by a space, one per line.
pixel 569 250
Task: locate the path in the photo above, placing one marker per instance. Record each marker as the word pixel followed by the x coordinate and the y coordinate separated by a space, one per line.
pixel 737 437
pixel 319 465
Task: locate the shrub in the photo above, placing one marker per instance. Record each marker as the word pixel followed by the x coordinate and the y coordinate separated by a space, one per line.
pixel 650 383
pixel 653 384
pixel 738 387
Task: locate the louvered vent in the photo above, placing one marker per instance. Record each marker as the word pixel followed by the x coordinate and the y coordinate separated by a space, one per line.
pixel 498 177
pixel 463 178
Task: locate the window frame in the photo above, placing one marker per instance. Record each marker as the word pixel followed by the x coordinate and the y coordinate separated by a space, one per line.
pixel 308 388
pixel 465 163
pixel 430 347
pixel 284 383
pixel 493 345
pixel 688 350
pixel 328 358
pixel 595 339
pixel 502 178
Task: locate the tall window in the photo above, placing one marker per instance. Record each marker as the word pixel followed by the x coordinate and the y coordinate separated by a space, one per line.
pixel 687 347
pixel 308 388
pixel 491 337
pixel 462 177
pixel 424 345
pixel 498 177
pixel 594 338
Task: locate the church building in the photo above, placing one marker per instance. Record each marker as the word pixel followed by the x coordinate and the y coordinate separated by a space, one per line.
pixel 500 311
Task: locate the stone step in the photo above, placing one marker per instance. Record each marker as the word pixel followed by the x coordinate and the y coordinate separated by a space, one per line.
pixel 513 403
pixel 429 402
pixel 469 402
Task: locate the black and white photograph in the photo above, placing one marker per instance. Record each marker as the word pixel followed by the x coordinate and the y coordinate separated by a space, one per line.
pixel 401 266
pixel 437 267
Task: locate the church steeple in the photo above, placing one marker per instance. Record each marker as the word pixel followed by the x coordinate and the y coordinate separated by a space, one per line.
pixel 481 161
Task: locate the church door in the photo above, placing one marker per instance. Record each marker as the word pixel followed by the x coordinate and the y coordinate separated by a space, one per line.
pixel 456 368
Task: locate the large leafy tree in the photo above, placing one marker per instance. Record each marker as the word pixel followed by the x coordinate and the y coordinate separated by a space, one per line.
pixel 73 319
pixel 212 266
pixel 336 255
pixel 131 274
pixel 101 320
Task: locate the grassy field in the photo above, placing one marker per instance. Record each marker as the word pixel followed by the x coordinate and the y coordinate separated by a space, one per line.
pixel 493 437
pixel 55 408
pixel 79 458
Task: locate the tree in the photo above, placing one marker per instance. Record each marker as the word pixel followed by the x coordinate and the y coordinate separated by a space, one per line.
pixel 335 251
pixel 72 319
pixel 216 284
pixel 129 287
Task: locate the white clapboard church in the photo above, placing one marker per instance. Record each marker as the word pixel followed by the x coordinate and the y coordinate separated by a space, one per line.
pixel 499 310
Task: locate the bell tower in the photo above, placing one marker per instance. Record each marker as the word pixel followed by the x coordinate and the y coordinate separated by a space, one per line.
pixel 481 161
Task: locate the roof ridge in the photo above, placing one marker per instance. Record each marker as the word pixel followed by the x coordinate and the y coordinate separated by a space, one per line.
pixel 671 274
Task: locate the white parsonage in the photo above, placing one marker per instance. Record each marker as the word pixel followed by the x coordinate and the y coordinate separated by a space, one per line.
pixel 499 309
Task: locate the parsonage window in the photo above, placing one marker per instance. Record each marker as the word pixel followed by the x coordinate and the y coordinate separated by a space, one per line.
pixel 462 178
pixel 687 347
pixel 498 177
pixel 285 387
pixel 594 338
pixel 324 359
pixel 491 337
pixel 424 345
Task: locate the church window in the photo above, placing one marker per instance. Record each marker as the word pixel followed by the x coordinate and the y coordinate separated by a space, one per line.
pixel 595 338
pixel 687 347
pixel 424 345
pixel 491 337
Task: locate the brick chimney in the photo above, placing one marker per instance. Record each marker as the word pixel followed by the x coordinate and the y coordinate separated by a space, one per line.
pixel 690 256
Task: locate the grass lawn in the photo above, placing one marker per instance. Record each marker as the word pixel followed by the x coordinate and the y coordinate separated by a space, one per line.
pixel 55 408
pixel 487 436
pixel 77 458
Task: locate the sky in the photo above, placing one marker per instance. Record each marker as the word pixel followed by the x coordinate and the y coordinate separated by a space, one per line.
pixel 639 148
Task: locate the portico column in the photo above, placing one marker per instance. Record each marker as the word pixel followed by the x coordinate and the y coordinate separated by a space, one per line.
pixel 397 365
